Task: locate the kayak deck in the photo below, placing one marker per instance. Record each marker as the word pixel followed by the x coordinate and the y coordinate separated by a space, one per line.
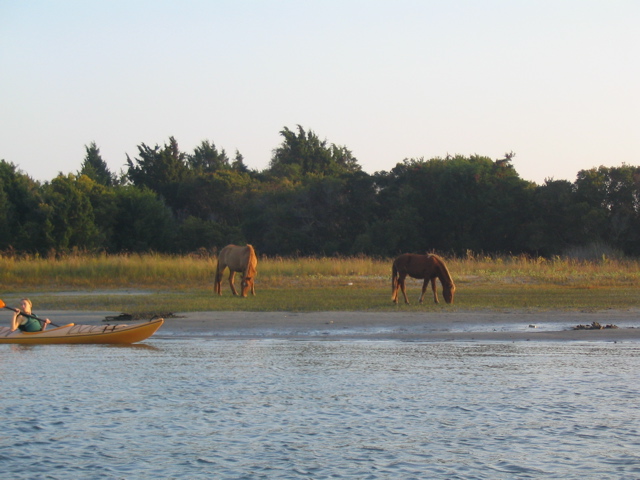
pixel 87 334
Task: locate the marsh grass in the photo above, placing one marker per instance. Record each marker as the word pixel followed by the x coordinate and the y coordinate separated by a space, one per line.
pixel 165 283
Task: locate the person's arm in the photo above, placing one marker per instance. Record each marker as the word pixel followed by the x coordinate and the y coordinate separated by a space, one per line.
pixel 15 322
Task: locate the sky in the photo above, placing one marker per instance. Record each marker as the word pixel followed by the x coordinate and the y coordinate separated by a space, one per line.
pixel 556 82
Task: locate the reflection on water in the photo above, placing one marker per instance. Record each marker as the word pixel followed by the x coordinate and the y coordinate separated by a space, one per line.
pixel 194 408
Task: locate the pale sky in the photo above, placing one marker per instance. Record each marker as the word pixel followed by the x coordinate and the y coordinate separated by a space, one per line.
pixel 557 82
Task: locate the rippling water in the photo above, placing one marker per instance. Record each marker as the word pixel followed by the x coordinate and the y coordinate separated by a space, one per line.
pixel 196 408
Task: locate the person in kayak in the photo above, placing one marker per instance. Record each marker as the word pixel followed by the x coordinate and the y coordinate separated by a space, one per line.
pixel 29 322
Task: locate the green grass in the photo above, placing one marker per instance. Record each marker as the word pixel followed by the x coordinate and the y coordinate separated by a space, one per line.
pixel 162 283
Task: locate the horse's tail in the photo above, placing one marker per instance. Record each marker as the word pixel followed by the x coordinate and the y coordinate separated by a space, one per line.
pixel 394 279
pixel 217 284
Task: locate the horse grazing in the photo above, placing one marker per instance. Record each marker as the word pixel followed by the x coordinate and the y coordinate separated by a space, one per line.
pixel 428 267
pixel 237 259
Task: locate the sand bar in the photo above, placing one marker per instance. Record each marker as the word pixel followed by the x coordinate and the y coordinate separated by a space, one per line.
pixel 406 326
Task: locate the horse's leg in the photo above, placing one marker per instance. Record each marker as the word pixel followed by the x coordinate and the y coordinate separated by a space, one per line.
pixel 217 285
pixel 401 280
pixel 394 293
pixel 435 290
pixel 424 289
pixel 395 285
pixel 232 276
pixel 253 288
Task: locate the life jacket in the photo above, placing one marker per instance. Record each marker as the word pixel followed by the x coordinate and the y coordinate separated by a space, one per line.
pixel 30 324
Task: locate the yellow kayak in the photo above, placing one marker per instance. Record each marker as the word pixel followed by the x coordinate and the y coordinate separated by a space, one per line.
pixel 73 333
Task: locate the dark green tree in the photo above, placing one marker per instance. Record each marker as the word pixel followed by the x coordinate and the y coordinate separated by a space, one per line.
pixel 103 200
pixel 238 163
pixel 556 222
pixel 21 227
pixel 160 169
pixel 609 203
pixel 453 204
pixel 272 221
pixel 321 215
pixel 68 216
pixel 195 233
pixel 5 218
pixel 207 159
pixel 303 153
pixel 219 196
pixel 143 222
pixel 96 168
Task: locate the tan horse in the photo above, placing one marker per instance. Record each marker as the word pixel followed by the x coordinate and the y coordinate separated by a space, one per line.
pixel 428 267
pixel 237 259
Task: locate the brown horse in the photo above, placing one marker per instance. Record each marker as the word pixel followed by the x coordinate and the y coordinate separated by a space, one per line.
pixel 428 267
pixel 237 259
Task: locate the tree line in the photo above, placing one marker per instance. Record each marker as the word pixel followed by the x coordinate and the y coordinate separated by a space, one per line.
pixel 314 199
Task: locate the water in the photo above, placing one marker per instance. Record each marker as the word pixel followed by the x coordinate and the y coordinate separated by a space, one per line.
pixel 250 409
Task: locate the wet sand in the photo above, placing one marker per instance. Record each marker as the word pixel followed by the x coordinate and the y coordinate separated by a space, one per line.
pixel 406 326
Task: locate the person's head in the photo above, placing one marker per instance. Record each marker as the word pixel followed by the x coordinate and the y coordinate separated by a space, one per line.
pixel 26 305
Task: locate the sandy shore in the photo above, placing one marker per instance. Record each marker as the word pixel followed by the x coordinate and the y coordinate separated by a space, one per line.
pixel 406 326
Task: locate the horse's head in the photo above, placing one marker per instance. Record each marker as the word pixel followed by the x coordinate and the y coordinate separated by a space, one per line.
pixel 246 285
pixel 249 274
pixel 448 291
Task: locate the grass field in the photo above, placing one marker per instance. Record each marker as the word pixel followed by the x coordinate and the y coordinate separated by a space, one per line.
pixel 163 283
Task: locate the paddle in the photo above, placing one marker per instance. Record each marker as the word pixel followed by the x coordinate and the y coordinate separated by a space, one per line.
pixel 4 305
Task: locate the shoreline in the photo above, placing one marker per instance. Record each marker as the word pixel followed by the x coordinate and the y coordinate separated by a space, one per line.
pixel 468 326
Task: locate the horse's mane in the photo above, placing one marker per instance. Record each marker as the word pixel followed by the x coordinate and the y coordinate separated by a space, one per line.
pixel 445 270
pixel 251 261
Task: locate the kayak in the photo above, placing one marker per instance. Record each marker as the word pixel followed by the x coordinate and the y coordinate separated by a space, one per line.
pixel 72 333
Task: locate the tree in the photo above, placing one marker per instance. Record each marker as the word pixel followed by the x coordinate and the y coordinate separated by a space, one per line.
pixel 556 221
pixel 96 168
pixel 105 210
pixel 304 153
pixel 319 215
pixel 160 169
pixel 453 204
pixel 272 221
pixel 195 233
pixel 143 222
pixel 218 196
pixel 609 199
pixel 21 226
pixel 69 218
pixel 238 163
pixel 207 159
pixel 5 215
